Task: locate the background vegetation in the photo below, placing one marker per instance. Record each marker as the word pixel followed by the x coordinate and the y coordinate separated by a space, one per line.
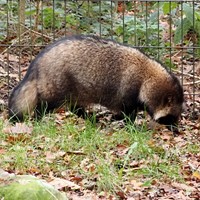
pixel 139 24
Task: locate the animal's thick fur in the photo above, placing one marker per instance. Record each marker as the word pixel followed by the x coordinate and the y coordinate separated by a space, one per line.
pixel 82 70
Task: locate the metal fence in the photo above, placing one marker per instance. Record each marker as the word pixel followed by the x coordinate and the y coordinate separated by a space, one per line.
pixel 166 30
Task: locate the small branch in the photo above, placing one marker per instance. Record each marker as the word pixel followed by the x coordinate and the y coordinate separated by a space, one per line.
pixel 16 40
pixel 13 42
pixel 4 62
pixel 40 34
pixel 185 74
pixel 191 83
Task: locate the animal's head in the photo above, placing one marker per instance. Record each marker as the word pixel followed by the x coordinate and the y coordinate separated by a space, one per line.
pixel 163 99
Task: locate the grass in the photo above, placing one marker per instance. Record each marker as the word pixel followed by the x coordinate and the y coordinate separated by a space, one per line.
pixel 102 157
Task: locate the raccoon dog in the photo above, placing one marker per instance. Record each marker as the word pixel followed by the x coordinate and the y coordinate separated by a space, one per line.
pixel 84 70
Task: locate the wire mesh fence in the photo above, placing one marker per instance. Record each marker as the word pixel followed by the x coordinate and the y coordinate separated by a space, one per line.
pixel 168 31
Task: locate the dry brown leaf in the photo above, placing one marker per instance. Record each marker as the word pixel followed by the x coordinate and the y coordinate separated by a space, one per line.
pixel 2 151
pixel 183 186
pixel 196 174
pixel 50 156
pixel 91 167
pixel 17 132
pixel 62 184
pixel 76 178
pixel 122 149
pixel 136 184
pixel 121 194
pixel 134 163
pixel 18 128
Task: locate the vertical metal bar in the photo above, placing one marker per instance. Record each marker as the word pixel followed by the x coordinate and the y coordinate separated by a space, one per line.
pixel 65 15
pixel 111 16
pixel 182 42
pixel 42 22
pixel 146 24
pixel 30 20
pixel 170 34
pixel 19 43
pixel 7 53
pixel 193 60
pixel 89 10
pixel 77 10
pixel 100 28
pixel 135 24
pixel 158 36
pixel 53 6
pixel 123 10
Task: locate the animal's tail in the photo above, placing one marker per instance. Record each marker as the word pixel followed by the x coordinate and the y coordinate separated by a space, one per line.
pixel 23 99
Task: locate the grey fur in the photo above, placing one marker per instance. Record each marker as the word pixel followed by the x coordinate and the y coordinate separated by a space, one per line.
pixel 84 70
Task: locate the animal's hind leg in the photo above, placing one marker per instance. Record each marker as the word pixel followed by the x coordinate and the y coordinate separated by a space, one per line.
pixel 129 112
pixel 79 111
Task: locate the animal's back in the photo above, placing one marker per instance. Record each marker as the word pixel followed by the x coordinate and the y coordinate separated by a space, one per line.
pixel 89 69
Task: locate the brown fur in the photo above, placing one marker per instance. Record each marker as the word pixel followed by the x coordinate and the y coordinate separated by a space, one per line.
pixel 84 70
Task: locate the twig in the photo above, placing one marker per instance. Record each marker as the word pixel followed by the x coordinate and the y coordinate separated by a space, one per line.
pixel 38 33
pixel 191 83
pixel 16 40
pixel 13 42
pixel 176 53
pixel 192 76
pixel 4 62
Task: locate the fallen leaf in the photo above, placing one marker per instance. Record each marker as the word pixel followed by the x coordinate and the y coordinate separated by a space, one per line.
pixel 136 184
pixel 50 156
pixel 18 128
pixel 134 163
pixel 61 184
pixel 183 186
pixel 121 194
pixel 76 178
pixel 196 174
pixel 91 167
pixel 2 151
